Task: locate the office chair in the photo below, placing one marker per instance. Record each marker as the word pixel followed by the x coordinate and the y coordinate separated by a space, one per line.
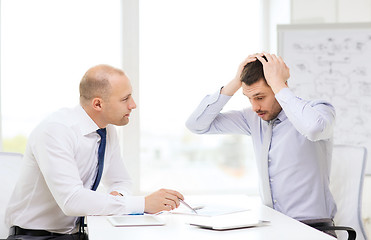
pixel 9 172
pixel 346 185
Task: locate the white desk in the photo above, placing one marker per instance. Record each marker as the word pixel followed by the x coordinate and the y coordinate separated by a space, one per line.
pixel 280 228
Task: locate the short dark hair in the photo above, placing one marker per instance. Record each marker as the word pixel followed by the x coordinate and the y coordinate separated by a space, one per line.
pixel 253 72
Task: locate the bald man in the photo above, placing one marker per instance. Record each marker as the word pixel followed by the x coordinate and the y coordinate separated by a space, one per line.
pixel 60 165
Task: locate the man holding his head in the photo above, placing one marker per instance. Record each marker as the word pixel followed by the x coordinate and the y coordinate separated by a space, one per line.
pixel 61 170
pixel 292 137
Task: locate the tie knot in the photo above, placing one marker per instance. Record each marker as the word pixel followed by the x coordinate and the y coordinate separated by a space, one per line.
pixel 102 132
pixel 274 121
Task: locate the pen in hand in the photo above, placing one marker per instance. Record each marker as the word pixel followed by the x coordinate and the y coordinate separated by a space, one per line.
pixel 186 204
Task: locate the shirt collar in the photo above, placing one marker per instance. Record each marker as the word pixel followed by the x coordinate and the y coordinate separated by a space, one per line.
pixel 87 125
pixel 282 116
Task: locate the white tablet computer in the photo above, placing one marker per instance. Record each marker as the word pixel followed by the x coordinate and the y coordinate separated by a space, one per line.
pixel 226 225
pixel 134 220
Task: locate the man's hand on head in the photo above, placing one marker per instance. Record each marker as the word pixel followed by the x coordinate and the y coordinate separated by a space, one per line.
pixel 231 88
pixel 249 59
pixel 276 71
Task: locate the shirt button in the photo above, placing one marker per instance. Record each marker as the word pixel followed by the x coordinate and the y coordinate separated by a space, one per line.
pixel 274 201
pixel 269 160
pixel 271 179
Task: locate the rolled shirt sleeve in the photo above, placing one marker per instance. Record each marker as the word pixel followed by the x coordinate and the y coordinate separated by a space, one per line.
pixel 313 119
pixel 208 118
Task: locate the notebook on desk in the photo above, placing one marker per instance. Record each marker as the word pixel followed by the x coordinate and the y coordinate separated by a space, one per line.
pixel 134 220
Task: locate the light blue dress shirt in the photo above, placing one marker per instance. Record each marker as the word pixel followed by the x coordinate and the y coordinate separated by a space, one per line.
pixel 299 157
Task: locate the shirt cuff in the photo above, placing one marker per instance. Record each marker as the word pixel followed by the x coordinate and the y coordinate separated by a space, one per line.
pixel 218 96
pixel 285 95
pixel 134 204
pixel 221 98
pixel 210 102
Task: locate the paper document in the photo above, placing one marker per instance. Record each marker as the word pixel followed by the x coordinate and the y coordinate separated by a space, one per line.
pixel 209 210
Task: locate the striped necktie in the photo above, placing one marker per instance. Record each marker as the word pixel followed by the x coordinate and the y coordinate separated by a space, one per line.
pixel 265 188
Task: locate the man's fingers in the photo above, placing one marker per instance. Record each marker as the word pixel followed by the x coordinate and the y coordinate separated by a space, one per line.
pixel 247 60
pixel 172 198
pixel 262 60
pixel 168 207
pixel 275 58
pixel 253 57
pixel 173 195
pixel 171 203
pixel 162 200
pixel 270 57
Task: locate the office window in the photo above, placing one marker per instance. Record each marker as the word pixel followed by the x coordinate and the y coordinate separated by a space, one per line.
pixel 46 47
pixel 189 49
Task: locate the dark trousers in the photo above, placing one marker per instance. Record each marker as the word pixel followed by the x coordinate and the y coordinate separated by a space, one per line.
pixel 29 234
pixel 318 223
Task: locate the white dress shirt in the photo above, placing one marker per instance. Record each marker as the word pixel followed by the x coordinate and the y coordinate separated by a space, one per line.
pixel 58 172
pixel 299 157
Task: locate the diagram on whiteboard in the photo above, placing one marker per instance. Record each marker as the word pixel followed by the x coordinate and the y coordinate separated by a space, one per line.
pixel 335 65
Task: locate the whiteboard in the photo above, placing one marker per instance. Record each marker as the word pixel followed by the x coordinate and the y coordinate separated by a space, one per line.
pixel 333 62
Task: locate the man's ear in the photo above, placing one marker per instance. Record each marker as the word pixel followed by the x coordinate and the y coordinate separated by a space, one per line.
pixel 97 104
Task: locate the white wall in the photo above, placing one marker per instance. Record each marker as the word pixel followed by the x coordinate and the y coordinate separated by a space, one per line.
pixel 337 11
pixel 330 11
pixel 274 12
